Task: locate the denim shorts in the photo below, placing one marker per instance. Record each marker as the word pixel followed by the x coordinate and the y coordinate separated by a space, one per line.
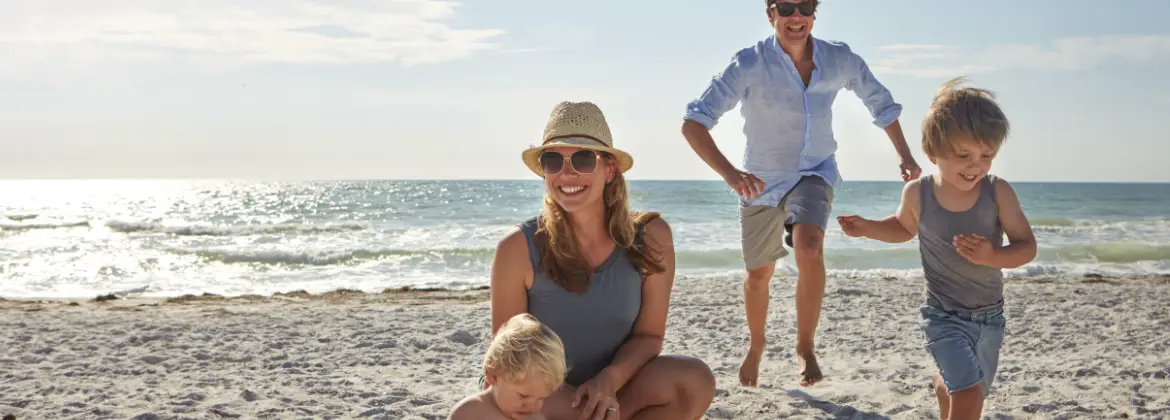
pixel 964 345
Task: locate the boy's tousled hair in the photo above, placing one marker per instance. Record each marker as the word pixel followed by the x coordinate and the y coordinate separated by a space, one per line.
pixel 959 112
pixel 524 348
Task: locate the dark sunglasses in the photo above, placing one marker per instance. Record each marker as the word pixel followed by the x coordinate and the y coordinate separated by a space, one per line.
pixel 787 9
pixel 583 161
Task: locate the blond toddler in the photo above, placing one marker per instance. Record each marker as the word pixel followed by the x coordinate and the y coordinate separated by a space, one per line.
pixel 524 364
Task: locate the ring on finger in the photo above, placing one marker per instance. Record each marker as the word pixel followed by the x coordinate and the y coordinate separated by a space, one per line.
pixel 611 409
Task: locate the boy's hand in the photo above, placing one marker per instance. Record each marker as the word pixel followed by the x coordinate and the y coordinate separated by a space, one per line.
pixel 855 226
pixel 974 248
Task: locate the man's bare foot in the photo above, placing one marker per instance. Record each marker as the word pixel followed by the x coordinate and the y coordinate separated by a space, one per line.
pixel 749 370
pixel 810 371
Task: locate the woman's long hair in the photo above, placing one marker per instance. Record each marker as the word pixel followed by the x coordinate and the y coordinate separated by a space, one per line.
pixel 561 259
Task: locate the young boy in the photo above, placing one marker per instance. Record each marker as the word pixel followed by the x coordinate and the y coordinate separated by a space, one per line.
pixel 960 215
pixel 524 364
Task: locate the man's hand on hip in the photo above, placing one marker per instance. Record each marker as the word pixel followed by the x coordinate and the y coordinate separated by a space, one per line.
pixel 744 184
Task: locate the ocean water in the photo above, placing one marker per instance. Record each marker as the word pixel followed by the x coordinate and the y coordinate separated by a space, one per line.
pixel 71 239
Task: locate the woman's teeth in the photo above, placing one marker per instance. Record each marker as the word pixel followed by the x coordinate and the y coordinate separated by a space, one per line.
pixel 968 177
pixel 572 190
pixel 796 29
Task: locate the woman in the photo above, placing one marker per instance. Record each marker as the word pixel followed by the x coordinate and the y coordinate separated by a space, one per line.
pixel 601 277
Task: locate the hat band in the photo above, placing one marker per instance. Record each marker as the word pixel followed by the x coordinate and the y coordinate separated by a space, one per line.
pixel 578 137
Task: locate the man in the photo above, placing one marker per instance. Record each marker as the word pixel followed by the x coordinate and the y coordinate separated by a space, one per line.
pixel 787 84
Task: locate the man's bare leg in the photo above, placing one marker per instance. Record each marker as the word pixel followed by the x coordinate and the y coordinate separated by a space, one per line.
pixel 756 294
pixel 808 241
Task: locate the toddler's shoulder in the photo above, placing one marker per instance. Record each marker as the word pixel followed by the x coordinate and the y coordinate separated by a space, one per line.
pixel 474 407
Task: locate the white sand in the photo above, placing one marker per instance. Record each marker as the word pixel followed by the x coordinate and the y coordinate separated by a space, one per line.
pixel 1077 348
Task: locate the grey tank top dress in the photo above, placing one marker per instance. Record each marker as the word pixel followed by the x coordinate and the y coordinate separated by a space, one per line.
pixel 592 325
pixel 952 282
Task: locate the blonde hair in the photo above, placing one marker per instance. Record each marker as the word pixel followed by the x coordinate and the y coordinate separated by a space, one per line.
pixel 524 348
pixel 560 257
pixel 959 113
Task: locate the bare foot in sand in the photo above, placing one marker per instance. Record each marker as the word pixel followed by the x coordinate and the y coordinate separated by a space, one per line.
pixel 749 370
pixel 810 371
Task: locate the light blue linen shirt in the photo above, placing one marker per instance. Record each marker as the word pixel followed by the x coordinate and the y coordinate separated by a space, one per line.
pixel 789 128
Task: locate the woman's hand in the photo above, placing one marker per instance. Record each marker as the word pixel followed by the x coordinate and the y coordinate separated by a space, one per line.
pixel 597 399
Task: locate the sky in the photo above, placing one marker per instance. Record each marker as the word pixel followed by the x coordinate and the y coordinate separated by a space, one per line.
pixel 349 89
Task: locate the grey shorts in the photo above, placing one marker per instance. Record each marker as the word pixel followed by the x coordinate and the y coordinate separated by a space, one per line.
pixel 762 227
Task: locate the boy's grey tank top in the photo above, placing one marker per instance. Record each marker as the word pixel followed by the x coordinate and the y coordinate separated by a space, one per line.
pixel 953 282
pixel 592 325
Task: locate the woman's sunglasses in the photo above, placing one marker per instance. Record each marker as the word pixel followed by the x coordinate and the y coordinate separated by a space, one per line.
pixel 583 161
pixel 787 9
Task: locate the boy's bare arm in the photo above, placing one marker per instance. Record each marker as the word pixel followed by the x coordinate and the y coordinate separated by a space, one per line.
pixel 902 226
pixel 1021 248
pixel 907 214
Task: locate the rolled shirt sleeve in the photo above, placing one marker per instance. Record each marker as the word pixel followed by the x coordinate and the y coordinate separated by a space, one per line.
pixel 723 93
pixel 877 99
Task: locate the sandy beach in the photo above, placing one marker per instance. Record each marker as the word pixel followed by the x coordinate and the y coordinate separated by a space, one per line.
pixel 1085 347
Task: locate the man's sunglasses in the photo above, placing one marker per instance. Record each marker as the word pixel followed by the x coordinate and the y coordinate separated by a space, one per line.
pixel 583 161
pixel 787 9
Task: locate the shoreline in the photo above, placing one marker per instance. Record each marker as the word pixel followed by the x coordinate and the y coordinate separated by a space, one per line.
pixel 389 294
pixel 423 292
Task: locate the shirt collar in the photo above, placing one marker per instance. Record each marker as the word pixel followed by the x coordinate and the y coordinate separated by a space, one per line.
pixel 774 45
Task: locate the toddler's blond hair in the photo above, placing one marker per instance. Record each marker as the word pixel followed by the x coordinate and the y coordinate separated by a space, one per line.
pixel 525 348
pixel 959 113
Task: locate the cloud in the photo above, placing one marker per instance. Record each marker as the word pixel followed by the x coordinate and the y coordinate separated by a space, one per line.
pixel 1063 54
pixel 409 32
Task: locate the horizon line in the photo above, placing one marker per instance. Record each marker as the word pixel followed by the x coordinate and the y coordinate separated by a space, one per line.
pixel 491 179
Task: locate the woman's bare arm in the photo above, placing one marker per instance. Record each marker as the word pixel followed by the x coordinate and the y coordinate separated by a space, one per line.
pixel 650 327
pixel 511 276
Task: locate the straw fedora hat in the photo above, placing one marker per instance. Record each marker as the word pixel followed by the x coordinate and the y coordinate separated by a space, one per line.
pixel 580 125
